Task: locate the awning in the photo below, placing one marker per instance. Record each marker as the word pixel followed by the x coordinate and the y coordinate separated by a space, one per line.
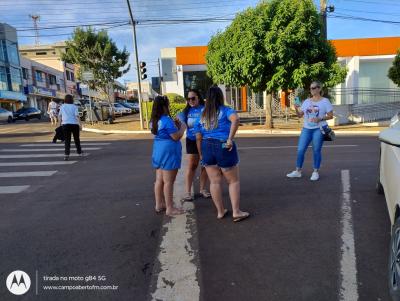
pixel 11 95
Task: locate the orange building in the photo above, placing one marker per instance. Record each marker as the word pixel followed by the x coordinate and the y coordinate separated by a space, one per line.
pixel 367 60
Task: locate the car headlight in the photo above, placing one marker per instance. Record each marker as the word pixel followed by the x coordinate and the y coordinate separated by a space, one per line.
pixel 395 119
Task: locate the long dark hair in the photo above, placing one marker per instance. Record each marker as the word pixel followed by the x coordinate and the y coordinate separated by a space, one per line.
pixel 187 108
pixel 69 99
pixel 214 99
pixel 160 107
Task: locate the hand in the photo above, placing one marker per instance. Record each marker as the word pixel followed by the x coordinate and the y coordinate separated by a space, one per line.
pixel 315 119
pixel 178 123
pixel 229 144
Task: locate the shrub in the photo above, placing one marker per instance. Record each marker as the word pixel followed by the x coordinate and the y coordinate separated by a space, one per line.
pixel 175 109
pixel 175 98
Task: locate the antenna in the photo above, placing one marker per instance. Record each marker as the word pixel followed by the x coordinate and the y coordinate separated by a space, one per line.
pixel 35 19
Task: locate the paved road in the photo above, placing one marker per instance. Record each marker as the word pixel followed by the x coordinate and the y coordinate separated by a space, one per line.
pixel 95 217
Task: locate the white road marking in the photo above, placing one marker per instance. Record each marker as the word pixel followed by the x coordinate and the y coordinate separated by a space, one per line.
pixel 178 277
pixel 22 174
pixel 38 163
pixel 348 263
pixel 295 146
pixel 37 156
pixel 60 144
pixel 13 189
pixel 20 150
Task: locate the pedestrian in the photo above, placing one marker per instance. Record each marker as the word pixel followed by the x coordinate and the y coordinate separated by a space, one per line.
pixel 52 112
pixel 214 134
pixel 316 111
pixel 71 123
pixel 167 154
pixel 190 116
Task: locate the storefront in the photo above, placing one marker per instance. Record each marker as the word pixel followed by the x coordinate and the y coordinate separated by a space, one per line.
pixel 40 97
pixel 12 101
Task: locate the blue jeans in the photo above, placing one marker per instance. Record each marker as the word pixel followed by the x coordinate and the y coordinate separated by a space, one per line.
pixel 306 137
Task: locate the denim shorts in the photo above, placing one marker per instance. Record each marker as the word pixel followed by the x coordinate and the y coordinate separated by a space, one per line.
pixel 214 154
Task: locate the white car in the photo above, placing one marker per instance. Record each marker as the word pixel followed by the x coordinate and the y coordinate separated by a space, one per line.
pixel 389 184
pixel 120 109
pixel 6 115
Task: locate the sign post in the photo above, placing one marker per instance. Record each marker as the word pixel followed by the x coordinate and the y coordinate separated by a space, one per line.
pixel 88 76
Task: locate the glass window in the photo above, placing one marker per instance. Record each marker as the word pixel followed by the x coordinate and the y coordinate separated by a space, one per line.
pixel 196 80
pixel 25 73
pixel 3 78
pixel 39 76
pixel 72 77
pixel 16 79
pixel 68 75
pixel 52 79
pixel 2 56
pixel 12 53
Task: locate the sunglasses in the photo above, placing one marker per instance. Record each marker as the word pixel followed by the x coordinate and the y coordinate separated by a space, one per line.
pixel 192 98
pixel 315 87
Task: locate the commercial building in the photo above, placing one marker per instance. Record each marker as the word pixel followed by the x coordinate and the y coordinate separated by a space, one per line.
pixel 147 90
pixel 51 56
pixel 368 61
pixel 11 91
pixel 42 84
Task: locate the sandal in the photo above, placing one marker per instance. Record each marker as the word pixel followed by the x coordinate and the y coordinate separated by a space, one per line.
pixel 188 197
pixel 223 215
pixel 205 194
pixel 175 211
pixel 159 210
pixel 241 217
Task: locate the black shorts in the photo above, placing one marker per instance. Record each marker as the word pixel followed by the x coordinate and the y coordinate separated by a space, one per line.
pixel 191 147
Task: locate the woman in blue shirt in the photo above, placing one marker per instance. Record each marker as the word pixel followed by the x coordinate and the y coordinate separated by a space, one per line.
pixel 214 134
pixel 190 116
pixel 167 154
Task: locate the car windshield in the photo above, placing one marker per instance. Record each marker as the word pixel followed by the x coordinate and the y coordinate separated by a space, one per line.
pixel 22 110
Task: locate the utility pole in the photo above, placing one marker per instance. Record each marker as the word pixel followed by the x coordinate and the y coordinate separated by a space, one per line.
pixel 35 19
pixel 159 75
pixel 133 22
pixel 324 31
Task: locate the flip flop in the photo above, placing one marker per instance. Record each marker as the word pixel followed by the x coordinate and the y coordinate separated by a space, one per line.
pixel 188 198
pixel 224 215
pixel 160 210
pixel 241 217
pixel 205 194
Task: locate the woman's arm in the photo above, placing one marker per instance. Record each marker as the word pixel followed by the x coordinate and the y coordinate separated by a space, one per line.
pixel 328 116
pixel 178 135
pixel 299 112
pixel 199 138
pixel 234 119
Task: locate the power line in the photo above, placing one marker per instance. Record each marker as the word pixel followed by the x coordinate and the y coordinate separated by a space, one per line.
pixel 348 17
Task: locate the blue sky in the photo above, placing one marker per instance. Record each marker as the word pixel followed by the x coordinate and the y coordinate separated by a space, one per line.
pixel 151 38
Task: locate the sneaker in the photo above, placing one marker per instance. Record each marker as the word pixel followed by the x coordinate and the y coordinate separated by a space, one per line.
pixel 314 176
pixel 66 158
pixel 294 174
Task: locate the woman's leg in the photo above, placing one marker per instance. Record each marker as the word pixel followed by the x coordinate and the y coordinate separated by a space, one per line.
pixel 67 134
pixel 304 141
pixel 168 177
pixel 317 142
pixel 203 179
pixel 159 190
pixel 215 176
pixel 75 132
pixel 232 177
pixel 193 162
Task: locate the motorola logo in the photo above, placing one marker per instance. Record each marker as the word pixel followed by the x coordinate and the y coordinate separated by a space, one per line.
pixel 18 282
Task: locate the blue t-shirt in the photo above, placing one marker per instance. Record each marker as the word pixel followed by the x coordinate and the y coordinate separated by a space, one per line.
pixel 221 132
pixel 166 127
pixel 193 118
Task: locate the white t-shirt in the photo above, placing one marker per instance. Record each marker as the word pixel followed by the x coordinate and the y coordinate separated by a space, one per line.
pixel 314 109
pixel 69 114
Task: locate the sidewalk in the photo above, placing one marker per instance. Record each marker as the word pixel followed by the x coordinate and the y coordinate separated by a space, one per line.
pixel 131 125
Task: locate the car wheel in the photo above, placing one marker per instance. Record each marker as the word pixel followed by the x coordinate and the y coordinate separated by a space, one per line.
pixel 394 262
pixel 378 186
pixel 9 119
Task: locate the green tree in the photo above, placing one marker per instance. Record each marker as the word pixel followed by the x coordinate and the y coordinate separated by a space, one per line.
pixel 394 71
pixel 274 46
pixel 97 52
pixel 175 98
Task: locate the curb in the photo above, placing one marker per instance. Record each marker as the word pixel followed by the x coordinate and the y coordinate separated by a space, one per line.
pixel 252 132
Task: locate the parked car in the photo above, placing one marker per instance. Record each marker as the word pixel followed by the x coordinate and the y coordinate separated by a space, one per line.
pixel 6 115
pixel 27 114
pixel 120 109
pixel 388 184
pixel 133 106
pixel 81 110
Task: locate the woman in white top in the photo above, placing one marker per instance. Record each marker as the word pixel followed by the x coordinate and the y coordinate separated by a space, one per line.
pixel 316 110
pixel 69 119
pixel 52 111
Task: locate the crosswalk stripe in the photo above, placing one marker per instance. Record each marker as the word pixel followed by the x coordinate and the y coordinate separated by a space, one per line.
pixel 20 174
pixel 41 149
pixel 13 189
pixel 36 156
pixel 37 163
pixel 58 144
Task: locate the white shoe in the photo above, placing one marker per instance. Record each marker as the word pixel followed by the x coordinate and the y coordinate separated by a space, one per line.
pixel 294 174
pixel 315 176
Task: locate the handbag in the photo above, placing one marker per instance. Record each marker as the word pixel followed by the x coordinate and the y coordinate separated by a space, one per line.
pixel 329 134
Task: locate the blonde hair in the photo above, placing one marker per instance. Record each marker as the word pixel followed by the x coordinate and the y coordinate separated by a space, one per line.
pixel 215 99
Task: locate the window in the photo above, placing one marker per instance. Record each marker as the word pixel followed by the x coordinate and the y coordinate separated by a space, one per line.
pixel 16 79
pixel 2 56
pixel 196 80
pixel 12 53
pixel 41 53
pixel 68 75
pixel 3 79
pixel 39 76
pixel 72 77
pixel 52 79
pixel 25 73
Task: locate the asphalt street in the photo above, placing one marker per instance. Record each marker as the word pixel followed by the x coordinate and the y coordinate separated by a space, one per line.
pixel 95 217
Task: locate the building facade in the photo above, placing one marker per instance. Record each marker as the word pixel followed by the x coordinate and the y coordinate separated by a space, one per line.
pixel 11 91
pixel 51 56
pixel 147 90
pixel 42 84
